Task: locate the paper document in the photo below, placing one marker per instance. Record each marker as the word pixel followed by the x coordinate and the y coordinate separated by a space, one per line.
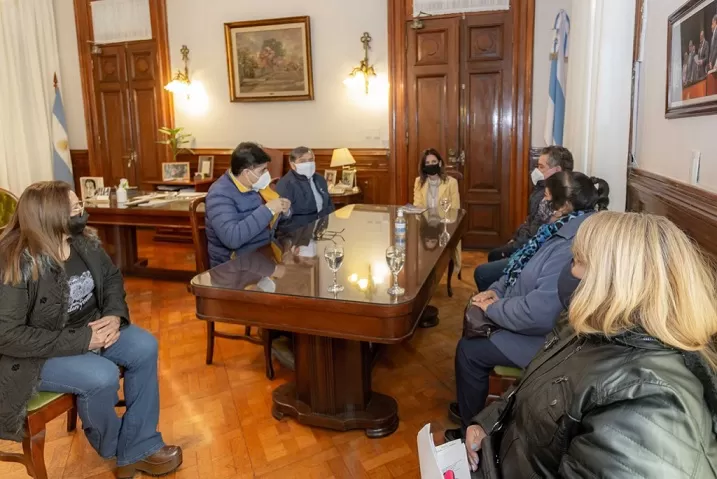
pixel 436 461
pixel 412 210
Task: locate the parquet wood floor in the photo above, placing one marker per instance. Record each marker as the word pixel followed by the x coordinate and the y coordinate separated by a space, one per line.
pixel 221 414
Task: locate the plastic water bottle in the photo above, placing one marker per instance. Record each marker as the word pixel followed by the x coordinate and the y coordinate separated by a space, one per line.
pixel 400 230
pixel 122 192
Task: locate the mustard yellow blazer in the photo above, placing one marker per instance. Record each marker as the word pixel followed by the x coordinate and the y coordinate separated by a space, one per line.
pixel 447 189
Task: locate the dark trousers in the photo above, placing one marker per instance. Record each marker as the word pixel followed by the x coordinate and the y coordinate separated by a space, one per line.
pixel 475 359
pixel 488 273
pixel 502 252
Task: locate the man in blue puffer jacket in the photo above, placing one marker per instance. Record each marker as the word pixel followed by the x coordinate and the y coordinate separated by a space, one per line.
pixel 242 211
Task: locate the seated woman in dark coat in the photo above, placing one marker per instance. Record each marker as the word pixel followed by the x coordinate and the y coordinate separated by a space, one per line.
pixel 64 327
pixel 629 388
pixel 524 302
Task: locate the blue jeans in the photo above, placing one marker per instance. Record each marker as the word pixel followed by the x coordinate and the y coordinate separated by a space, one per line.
pixel 94 378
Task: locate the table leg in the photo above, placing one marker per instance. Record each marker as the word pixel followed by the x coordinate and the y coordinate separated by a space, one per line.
pixel 121 241
pixel 333 388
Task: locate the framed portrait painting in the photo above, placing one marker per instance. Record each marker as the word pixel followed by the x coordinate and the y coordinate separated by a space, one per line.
pixel 269 60
pixel 91 186
pixel 692 60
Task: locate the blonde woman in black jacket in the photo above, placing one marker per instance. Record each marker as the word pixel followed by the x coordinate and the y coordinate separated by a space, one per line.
pixel 64 327
pixel 628 389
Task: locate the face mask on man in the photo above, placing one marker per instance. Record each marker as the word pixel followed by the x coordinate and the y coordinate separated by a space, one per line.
pixel 306 169
pixel 261 182
pixel 76 224
pixel 537 176
pixel 567 284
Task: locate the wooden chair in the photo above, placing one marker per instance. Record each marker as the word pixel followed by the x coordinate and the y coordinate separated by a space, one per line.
pixel 501 379
pixel 451 266
pixel 42 408
pixel 276 167
pixel 201 253
pixel 8 203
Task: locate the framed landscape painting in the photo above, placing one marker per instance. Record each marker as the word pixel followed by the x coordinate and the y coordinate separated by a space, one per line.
pixel 270 60
pixel 692 60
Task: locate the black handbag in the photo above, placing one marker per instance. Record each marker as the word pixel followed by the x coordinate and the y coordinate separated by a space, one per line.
pixel 476 324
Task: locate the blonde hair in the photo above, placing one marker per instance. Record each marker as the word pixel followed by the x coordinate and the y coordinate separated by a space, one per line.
pixel 642 271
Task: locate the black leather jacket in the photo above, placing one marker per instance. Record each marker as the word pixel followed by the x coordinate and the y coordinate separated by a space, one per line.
pixel 625 407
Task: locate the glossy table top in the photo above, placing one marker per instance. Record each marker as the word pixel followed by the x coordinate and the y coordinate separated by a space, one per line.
pixel 295 266
pixel 178 205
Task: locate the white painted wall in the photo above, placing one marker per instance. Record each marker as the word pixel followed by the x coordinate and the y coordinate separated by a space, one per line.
pixel 69 75
pixel 338 116
pixel 600 83
pixel 665 146
pixel 545 13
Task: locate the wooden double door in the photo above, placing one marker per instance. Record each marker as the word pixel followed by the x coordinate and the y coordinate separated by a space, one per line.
pixel 460 100
pixel 128 103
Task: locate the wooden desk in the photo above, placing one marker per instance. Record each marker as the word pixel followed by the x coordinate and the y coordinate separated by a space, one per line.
pixel 200 186
pixel 118 228
pixel 345 199
pixel 334 333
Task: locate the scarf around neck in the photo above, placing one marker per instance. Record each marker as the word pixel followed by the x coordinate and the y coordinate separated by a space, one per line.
pixel 520 258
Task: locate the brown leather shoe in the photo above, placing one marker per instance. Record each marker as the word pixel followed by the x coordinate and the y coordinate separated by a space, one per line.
pixel 162 462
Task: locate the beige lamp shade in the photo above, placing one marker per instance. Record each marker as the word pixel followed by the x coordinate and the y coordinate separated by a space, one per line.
pixel 342 157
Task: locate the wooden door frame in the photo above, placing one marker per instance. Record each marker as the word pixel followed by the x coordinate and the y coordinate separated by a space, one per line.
pixel 85 36
pixel 399 13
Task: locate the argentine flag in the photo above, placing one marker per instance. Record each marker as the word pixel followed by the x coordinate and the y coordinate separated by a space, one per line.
pixel 61 163
pixel 555 117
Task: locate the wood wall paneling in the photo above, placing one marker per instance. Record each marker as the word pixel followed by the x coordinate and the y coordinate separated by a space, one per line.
pixel 693 209
pixel 80 166
pixel 372 168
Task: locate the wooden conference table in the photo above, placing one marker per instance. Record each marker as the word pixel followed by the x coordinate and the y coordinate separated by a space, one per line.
pixel 118 225
pixel 335 335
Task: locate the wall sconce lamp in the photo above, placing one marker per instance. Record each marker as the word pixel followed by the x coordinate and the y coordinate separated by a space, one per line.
pixel 364 68
pixel 180 81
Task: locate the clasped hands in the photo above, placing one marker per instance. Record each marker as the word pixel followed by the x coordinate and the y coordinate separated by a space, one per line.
pixel 484 299
pixel 279 205
pixel 105 332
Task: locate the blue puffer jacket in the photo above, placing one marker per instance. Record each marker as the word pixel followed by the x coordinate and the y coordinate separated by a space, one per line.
pixel 234 220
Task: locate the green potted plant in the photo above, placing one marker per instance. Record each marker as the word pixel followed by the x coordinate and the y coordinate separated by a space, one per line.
pixel 176 139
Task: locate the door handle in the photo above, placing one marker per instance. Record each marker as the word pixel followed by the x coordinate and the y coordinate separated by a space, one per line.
pixel 131 158
pixel 461 160
pixel 451 155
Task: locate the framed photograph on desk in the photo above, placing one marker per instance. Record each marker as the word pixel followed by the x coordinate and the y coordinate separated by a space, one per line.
pixel 206 166
pixel 330 177
pixel 90 186
pixel 175 171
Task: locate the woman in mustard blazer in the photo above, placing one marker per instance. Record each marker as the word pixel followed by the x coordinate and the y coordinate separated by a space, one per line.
pixel 432 185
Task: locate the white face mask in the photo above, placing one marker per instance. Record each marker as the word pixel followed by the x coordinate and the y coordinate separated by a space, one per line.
pixel 308 251
pixel 261 182
pixel 266 284
pixel 306 169
pixel 536 176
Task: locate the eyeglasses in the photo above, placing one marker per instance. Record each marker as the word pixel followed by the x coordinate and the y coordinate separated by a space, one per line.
pixel 327 235
pixel 78 208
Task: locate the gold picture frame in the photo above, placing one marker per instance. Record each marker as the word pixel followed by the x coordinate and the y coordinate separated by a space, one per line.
pixel 175 171
pixel 270 60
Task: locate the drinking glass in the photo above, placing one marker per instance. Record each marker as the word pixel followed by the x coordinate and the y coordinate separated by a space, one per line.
pixel 445 204
pixel 334 256
pixel 396 258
